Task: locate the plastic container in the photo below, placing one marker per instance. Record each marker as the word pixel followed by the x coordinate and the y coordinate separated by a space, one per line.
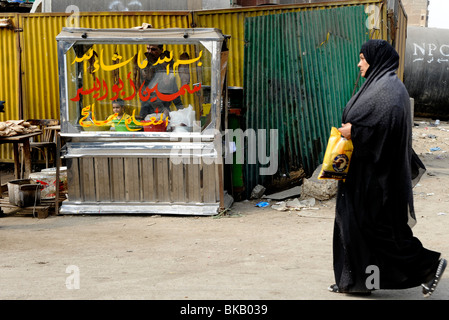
pixel 154 127
pixel 181 128
pixel 47 178
pixel 156 118
pixel 121 126
pixel 92 127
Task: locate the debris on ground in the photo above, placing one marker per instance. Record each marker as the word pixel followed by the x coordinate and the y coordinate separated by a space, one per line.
pixel 295 205
pixel 286 194
pixel 262 204
pixel 318 189
pixel 257 192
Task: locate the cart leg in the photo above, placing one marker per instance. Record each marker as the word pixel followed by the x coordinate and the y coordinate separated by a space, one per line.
pixel 27 158
pixel 58 163
pixel 17 169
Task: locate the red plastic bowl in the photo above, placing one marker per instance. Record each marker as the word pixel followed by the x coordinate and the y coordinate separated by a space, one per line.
pixel 154 128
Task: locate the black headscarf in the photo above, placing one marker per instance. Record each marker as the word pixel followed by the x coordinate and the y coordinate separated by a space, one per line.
pixel 383 62
pixel 381 57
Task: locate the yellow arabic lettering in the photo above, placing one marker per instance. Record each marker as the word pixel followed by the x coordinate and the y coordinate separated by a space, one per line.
pixel 114 66
pixel 85 113
pixel 86 56
pixel 128 122
pixel 116 56
pixel 96 66
pixel 144 63
pixel 189 61
pixel 100 123
pixel 152 120
pixel 164 59
pixel 133 117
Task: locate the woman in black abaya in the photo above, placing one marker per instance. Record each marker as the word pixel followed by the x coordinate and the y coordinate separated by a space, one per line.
pixel 374 212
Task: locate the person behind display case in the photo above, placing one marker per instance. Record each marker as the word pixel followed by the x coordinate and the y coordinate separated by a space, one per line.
pixel 118 106
pixel 156 74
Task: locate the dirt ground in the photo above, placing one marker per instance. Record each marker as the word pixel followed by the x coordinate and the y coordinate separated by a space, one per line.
pixel 249 253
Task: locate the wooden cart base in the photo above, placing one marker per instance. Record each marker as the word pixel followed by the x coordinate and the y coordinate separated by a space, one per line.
pixel 41 211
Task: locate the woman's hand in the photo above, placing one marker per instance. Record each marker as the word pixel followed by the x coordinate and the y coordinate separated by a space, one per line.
pixel 345 130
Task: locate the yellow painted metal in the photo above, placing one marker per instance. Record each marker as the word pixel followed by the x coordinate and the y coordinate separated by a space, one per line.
pixel 9 75
pixel 40 80
pixel 9 79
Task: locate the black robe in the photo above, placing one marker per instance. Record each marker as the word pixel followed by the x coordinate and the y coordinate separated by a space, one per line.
pixel 374 210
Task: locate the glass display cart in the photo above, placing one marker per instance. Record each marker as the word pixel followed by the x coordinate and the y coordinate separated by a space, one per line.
pixel 140 116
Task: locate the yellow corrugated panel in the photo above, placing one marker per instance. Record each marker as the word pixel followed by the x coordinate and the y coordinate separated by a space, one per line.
pixel 9 75
pixel 232 22
pixel 40 80
pixel 9 80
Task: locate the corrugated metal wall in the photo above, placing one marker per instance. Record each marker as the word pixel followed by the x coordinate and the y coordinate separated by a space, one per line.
pixel 300 71
pixel 40 79
pixel 9 78
pixel 9 75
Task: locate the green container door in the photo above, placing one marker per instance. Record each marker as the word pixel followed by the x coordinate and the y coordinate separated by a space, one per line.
pixel 300 71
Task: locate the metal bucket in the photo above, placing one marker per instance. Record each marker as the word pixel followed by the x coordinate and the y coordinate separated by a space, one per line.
pixel 24 193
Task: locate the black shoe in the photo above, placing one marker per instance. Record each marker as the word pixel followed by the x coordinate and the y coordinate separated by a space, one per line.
pixel 333 288
pixel 429 287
